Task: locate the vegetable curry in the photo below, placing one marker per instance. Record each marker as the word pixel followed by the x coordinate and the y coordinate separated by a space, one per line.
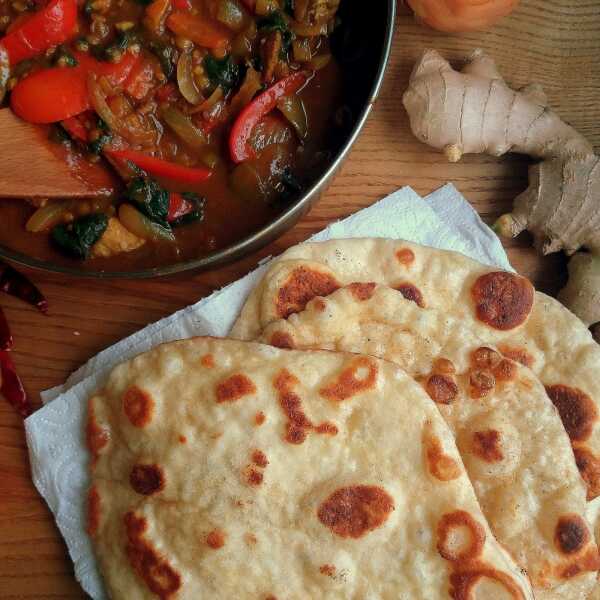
pixel 215 114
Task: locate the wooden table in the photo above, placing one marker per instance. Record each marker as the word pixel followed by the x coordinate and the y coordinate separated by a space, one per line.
pixel 553 42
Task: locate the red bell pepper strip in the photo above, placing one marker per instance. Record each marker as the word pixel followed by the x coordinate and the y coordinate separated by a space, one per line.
pixel 76 129
pixel 11 386
pixel 161 168
pixel 182 4
pixel 6 339
pixel 16 284
pixel 259 107
pixel 50 26
pixel 56 94
pixel 178 207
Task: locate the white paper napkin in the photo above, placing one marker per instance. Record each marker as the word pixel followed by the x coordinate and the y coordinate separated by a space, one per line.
pixel 55 433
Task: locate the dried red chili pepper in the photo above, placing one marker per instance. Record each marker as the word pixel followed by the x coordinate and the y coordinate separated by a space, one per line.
pixel 11 386
pixel 6 339
pixel 16 284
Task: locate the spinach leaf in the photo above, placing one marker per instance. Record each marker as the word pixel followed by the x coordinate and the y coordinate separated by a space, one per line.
pixel 98 144
pixel 149 198
pixel 166 58
pixel 224 72
pixel 195 215
pixel 77 238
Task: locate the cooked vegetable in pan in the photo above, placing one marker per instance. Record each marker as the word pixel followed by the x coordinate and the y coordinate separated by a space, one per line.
pixel 214 114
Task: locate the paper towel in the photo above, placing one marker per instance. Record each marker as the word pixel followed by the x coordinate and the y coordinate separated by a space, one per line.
pixel 55 433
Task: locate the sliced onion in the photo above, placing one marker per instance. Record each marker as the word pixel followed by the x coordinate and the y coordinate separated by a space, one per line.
pixel 48 216
pixel 210 102
pixel 252 84
pixel 241 47
pixel 134 135
pixel 183 127
pixel 301 50
pixel 185 79
pixel 140 225
pixel 4 72
pixel 293 110
pixel 231 14
pixel 319 62
pixel 265 7
pixel 305 30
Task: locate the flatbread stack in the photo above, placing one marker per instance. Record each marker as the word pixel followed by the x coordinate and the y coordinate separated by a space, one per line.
pixel 391 422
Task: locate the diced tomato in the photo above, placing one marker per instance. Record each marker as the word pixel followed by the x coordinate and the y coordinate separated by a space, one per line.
pixel 167 92
pixel 115 73
pixel 182 4
pixel 178 207
pixel 161 168
pixel 50 26
pixel 141 80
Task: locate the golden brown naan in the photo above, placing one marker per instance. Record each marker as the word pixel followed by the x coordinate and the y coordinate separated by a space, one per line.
pixel 229 470
pixel 526 325
pixel 508 432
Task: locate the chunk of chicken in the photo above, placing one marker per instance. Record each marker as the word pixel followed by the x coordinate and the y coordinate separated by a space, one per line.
pixel 315 12
pixel 116 240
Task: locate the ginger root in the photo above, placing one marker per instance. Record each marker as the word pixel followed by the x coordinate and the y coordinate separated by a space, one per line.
pixel 475 111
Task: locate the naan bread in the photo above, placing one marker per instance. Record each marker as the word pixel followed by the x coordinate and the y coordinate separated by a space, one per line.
pixel 227 470
pixel 528 326
pixel 509 434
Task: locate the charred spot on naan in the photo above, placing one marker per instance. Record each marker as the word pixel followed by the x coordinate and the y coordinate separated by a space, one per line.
pixel 298 424
pixel 486 360
pixel 588 561
pixel 410 292
pixel 208 361
pixel 576 409
pixel 302 285
pixel 259 458
pixel 405 256
pixel 571 534
pixel 439 464
pixel 443 366
pixel 259 418
pixel 216 539
pixel 362 291
pixel 233 388
pixel 464 583
pixel 250 539
pixel 328 570
pixel 589 468
pixel 354 511
pixel 442 389
pixel 319 304
pixel 138 405
pixel 518 354
pixel 360 376
pixel 147 479
pixel 460 537
pixel 502 300
pixel 156 572
pixel 97 437
pixel 486 445
pixel 93 511
pixel 281 339
pixel 481 383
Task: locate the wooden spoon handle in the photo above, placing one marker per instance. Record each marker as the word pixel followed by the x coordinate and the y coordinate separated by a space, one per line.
pixel 34 167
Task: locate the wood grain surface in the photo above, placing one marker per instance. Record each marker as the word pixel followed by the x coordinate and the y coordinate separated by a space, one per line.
pixel 34 167
pixel 553 42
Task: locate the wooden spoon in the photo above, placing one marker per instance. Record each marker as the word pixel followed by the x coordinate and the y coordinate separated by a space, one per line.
pixel 34 167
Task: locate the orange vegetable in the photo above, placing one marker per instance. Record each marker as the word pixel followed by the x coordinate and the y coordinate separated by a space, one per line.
pixel 156 13
pixel 462 15
pixel 201 30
